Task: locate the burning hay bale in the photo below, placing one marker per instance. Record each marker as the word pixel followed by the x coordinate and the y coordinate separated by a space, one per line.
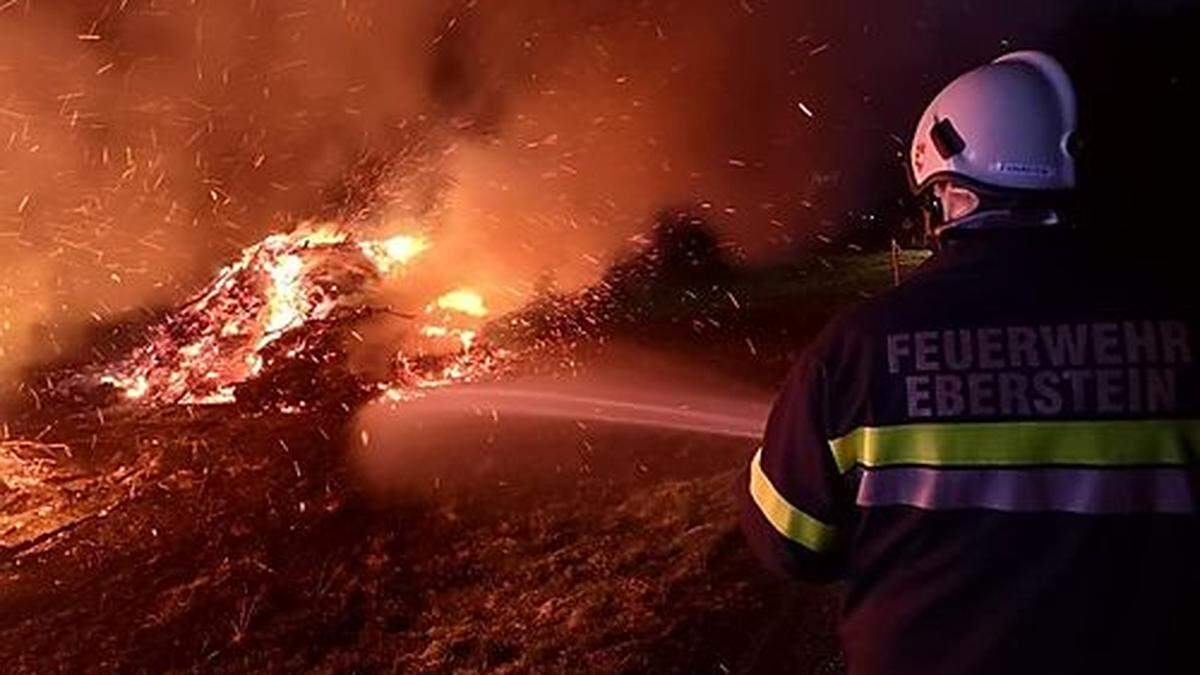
pixel 309 278
pixel 273 327
pixel 276 328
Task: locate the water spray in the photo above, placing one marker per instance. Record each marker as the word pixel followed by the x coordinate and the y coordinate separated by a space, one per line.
pixel 658 407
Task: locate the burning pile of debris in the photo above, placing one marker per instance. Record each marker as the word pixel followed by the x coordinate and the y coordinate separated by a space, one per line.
pixel 274 327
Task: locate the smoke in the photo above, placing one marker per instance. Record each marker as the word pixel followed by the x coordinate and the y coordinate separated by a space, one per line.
pixel 144 143
pixel 597 114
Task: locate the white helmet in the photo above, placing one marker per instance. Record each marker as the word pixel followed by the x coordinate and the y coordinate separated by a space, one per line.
pixel 1005 126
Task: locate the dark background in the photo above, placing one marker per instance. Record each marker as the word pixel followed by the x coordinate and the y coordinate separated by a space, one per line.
pixel 1133 67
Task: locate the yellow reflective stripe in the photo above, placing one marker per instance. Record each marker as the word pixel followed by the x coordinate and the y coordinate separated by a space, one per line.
pixel 1094 443
pixel 788 520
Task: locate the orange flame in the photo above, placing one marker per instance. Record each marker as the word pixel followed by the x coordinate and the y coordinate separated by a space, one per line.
pixel 464 301
pixel 399 250
pixel 281 284
pixel 285 297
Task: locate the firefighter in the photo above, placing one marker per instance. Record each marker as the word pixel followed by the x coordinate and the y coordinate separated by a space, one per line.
pixel 998 457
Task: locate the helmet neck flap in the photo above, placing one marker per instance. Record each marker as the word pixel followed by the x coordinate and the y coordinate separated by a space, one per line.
pixel 1004 131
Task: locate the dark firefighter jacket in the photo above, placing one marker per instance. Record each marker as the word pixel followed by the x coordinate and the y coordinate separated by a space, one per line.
pixel 999 457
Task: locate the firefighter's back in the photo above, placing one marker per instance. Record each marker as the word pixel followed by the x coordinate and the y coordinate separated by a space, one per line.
pixel 1020 448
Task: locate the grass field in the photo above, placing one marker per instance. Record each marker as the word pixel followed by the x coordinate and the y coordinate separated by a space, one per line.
pixel 203 540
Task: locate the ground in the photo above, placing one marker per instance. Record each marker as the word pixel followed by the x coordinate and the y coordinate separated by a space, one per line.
pixel 218 539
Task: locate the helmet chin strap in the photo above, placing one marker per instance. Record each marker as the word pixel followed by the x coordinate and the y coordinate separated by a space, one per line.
pixel 1000 219
pixel 989 209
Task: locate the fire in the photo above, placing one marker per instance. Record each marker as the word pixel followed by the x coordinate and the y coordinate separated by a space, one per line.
pixel 304 280
pixel 464 336
pixel 464 301
pixel 285 304
pixel 399 250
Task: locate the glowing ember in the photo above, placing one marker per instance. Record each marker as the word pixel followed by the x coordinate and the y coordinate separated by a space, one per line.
pixel 464 301
pixel 465 337
pixel 284 283
pixel 399 250
pixel 285 305
pixel 40 493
